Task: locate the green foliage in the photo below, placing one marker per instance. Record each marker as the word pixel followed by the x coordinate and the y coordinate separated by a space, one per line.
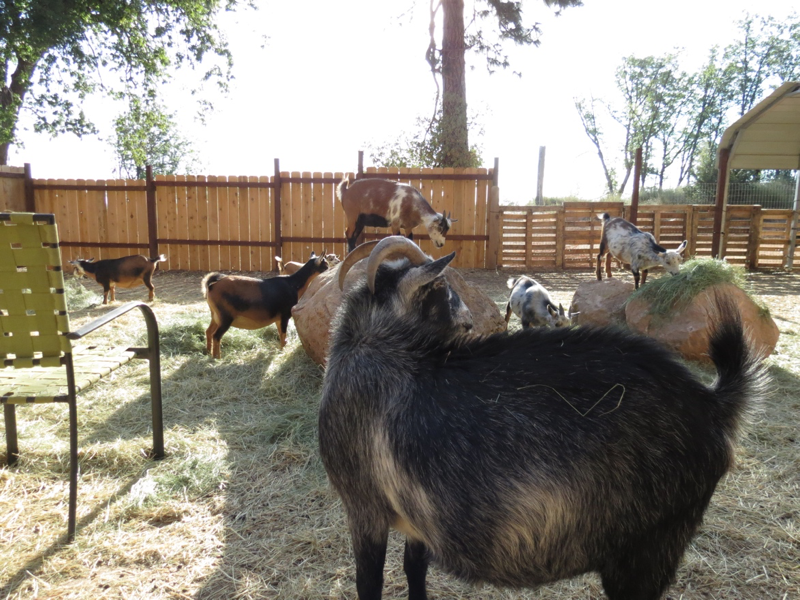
pixel 146 135
pixel 670 294
pixel 426 146
pixel 54 54
pixel 678 117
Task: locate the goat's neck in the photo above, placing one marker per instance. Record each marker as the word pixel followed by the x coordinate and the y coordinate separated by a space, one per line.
pixel 299 279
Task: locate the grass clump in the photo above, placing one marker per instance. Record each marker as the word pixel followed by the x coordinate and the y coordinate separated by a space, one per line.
pixel 78 297
pixel 670 294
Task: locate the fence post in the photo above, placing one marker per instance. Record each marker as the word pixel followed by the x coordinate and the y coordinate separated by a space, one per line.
pixel 560 237
pixel 754 239
pixel 689 231
pixel 152 213
pixel 529 239
pixel 793 228
pixel 30 200
pixel 493 246
pixel 360 171
pixel 277 207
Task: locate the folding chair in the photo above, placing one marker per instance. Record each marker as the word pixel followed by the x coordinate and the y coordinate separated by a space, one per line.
pixel 40 363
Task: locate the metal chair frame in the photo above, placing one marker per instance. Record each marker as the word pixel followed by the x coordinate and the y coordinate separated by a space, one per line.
pixel 57 353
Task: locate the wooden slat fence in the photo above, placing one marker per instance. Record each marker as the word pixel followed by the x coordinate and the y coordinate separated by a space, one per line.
pixel 238 223
pixel 207 223
pixel 568 236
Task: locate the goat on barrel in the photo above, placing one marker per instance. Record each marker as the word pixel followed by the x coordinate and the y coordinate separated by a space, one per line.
pixel 386 203
pixel 519 458
pixel 253 303
pixel 639 249
pixel 531 302
pixel 125 272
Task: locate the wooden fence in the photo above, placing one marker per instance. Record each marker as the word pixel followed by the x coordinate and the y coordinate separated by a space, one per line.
pixel 207 223
pixel 566 237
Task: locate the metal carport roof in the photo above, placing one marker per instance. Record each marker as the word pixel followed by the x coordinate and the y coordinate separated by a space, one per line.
pixel 766 137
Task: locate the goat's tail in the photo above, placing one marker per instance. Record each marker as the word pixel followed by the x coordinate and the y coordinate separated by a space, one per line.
pixel 161 258
pixel 741 374
pixel 279 260
pixel 208 281
pixel 342 187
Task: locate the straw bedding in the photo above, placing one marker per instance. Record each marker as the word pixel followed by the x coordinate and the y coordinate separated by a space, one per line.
pixel 241 508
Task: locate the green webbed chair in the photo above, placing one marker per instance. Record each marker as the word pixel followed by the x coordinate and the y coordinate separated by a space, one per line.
pixel 40 362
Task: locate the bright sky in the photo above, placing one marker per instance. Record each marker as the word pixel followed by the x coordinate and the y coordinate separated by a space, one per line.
pixel 316 81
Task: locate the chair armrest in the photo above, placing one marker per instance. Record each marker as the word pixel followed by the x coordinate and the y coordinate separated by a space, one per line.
pixel 114 314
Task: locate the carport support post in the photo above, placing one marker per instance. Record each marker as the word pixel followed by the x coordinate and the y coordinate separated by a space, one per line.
pixel 793 230
pixel 722 184
pixel 152 213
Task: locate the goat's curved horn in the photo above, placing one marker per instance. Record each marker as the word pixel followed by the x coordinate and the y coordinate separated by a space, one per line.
pixel 395 245
pixel 351 259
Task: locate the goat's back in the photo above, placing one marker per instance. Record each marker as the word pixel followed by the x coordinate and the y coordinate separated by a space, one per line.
pixel 524 458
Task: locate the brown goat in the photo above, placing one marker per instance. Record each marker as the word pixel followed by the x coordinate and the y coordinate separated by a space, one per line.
pixel 385 203
pixel 253 303
pixel 125 272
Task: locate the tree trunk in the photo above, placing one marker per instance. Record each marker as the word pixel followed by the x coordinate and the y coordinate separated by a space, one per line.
pixel 455 140
pixel 11 99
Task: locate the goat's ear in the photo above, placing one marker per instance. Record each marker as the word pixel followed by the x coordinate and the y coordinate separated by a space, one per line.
pixel 424 274
pixel 681 248
pixel 561 310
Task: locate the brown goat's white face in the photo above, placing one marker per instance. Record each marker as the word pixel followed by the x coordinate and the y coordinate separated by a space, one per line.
pixel 78 270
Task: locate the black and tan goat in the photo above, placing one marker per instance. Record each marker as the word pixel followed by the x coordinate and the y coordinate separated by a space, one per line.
pixel 253 303
pixel 292 266
pixel 629 244
pixel 519 458
pixel 385 203
pixel 125 272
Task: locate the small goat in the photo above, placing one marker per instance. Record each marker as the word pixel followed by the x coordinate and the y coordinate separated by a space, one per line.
pixel 252 303
pixel 520 458
pixel 125 272
pixel 639 249
pixel 294 266
pixel 385 203
pixel 532 304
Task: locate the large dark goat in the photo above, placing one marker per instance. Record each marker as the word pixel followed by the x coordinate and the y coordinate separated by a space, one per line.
pixel 524 458
pixel 386 203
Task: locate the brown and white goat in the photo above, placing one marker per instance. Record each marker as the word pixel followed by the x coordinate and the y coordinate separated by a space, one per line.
pixel 639 249
pixel 253 303
pixel 125 272
pixel 386 203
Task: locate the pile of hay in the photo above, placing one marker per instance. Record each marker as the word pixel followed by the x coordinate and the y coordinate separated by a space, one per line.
pixel 670 294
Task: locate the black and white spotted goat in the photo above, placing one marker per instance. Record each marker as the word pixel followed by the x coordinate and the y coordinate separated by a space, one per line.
pixel 626 242
pixel 531 302
pixel 518 459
